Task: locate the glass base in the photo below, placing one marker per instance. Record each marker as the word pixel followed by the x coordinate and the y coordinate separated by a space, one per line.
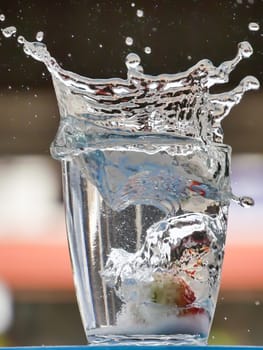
pixel 148 340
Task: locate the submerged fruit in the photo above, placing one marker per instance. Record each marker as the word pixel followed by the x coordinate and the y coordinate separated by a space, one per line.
pixel 168 289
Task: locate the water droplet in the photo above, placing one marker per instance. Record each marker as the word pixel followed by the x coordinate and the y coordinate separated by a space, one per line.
pixel 225 318
pixel 139 13
pixel 246 202
pixel 249 330
pixel 132 4
pixel 2 17
pixel 147 50
pixel 69 54
pixel 129 41
pixel 189 57
pixel 132 61
pixel 253 26
pixel 100 45
pixel 245 49
pixel 21 39
pixel 9 87
pixel 9 31
pixel 257 302
pixel 39 36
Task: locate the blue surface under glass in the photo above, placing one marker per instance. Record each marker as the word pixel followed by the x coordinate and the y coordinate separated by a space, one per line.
pixel 128 347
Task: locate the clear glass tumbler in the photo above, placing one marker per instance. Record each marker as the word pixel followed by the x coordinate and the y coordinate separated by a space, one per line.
pixel 146 190
pixel 146 222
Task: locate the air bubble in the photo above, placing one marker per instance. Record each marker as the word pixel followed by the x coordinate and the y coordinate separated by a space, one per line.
pixel 147 50
pixel 253 26
pixel 140 13
pixel 9 31
pixel 129 41
pixel 39 36
pixel 2 17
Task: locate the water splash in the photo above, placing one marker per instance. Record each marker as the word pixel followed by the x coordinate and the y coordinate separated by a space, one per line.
pixel 168 103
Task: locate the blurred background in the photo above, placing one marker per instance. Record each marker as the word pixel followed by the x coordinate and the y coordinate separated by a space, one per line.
pixel 37 300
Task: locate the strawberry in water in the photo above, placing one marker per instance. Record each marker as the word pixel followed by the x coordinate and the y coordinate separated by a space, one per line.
pixel 168 289
pixel 192 311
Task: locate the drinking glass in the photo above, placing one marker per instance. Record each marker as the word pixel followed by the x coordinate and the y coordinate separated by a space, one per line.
pixel 146 219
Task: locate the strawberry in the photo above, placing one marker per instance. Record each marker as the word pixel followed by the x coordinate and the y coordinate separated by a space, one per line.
pixel 192 311
pixel 168 289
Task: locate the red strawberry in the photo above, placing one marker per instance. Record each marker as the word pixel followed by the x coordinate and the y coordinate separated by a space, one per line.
pixel 168 289
pixel 192 311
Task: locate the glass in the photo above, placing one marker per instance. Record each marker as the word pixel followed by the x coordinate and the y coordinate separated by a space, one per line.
pixel 146 205
pixel 144 269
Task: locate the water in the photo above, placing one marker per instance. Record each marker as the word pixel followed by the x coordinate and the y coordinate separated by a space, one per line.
pixel 129 41
pixel 9 31
pixel 147 50
pixel 179 104
pixel 139 13
pixel 39 36
pixel 147 190
pixel 253 26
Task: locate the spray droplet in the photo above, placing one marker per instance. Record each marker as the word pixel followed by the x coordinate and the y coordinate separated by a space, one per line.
pixel 253 26
pixel 100 45
pixel 129 41
pixel 9 31
pixel 246 202
pixel 225 318
pixel 21 39
pixel 189 57
pixel 132 61
pixel 139 13
pixel 132 4
pixel 2 17
pixel 39 36
pixel 245 49
pixel 147 50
